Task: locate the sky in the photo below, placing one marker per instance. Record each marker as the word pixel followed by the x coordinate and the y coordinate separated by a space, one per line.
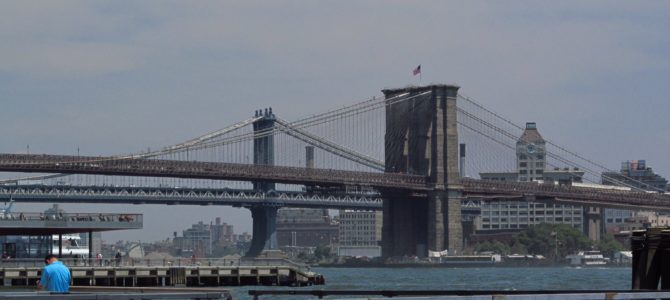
pixel 112 77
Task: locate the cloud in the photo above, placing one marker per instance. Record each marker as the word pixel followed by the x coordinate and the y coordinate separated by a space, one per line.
pixel 122 76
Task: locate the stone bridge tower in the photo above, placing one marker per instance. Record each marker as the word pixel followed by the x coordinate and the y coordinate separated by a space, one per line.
pixel 422 139
pixel 264 217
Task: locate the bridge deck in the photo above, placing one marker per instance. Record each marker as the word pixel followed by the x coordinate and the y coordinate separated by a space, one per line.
pixel 294 175
pixel 204 170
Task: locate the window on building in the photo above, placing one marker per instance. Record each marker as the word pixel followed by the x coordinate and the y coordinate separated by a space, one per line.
pixel 523 164
pixel 523 171
pixel 521 156
pixel 539 172
pixel 540 156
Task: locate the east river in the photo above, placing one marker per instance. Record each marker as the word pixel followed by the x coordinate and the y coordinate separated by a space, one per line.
pixel 497 278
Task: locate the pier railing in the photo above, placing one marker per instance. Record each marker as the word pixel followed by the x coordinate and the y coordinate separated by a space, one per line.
pixel 165 262
pixel 70 217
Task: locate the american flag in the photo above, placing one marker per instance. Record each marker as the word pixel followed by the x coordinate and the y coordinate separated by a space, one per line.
pixel 417 70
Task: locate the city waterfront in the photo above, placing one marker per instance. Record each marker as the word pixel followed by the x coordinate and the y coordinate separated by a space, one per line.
pixel 544 278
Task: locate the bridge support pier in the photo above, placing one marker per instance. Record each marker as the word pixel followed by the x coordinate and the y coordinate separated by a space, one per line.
pixel 592 222
pixel 264 230
pixel 453 219
pixel 404 225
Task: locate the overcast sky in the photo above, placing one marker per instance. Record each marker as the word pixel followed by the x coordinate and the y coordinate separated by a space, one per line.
pixel 117 77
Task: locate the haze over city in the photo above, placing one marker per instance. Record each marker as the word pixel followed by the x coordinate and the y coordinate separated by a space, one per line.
pixel 106 78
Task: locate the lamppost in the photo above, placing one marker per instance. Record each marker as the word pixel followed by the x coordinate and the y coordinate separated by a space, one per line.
pixel 555 235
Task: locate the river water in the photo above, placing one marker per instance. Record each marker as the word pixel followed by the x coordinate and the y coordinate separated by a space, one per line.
pixel 497 278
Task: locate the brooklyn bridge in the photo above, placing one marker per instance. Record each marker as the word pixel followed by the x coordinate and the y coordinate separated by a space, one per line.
pixel 403 152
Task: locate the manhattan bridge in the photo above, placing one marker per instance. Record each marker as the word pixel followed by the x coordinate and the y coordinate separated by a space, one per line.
pixel 401 152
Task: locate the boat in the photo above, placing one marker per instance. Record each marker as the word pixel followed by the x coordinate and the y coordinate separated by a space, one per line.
pixel 587 259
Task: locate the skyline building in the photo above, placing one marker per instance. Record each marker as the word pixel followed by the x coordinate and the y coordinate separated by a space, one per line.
pixel 360 233
pixel 531 165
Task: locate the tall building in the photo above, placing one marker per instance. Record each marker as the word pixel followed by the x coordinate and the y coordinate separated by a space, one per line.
pixel 531 165
pixel 633 174
pixel 360 233
pixel 222 234
pixel 636 173
pixel 530 154
pixel 196 240
pixel 305 227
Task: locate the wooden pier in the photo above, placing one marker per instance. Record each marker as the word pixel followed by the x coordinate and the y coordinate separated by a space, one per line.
pixel 651 259
pixel 162 276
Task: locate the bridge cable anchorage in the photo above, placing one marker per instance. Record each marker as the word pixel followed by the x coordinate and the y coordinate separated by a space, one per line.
pixel 558 157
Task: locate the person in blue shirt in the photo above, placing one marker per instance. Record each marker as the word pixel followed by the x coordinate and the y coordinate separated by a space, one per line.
pixel 55 276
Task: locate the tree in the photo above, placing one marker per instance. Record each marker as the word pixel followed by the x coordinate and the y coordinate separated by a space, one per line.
pixel 321 253
pixel 539 239
pixel 608 245
pixel 518 248
pixel 495 247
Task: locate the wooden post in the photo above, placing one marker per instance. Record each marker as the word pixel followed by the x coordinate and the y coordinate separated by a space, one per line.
pixel 651 259
pixel 653 262
pixel 665 258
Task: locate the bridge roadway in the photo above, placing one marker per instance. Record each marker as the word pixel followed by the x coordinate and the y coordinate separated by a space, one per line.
pixel 204 170
pixel 472 188
pixel 533 191
pixel 186 196
pixel 38 193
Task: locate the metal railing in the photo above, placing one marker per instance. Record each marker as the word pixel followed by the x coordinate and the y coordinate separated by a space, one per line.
pixel 183 195
pixel 165 262
pixel 71 217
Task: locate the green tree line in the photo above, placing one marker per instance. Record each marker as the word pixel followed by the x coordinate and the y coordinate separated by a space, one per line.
pixel 551 240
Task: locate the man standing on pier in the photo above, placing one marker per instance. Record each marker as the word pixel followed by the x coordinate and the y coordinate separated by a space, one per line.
pixel 55 276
